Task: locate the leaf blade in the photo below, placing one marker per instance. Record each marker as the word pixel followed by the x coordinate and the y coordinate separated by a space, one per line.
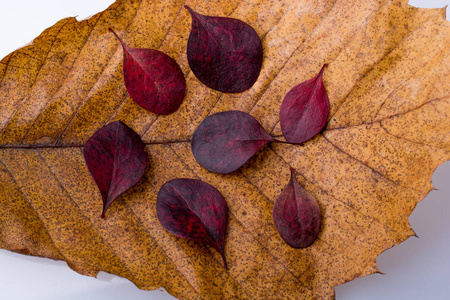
pixel 116 159
pixel 193 209
pixel 304 110
pixel 223 142
pixel 296 215
pixel 153 79
pixel 224 53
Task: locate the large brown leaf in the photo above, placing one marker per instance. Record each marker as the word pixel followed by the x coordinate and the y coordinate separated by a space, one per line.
pixel 388 83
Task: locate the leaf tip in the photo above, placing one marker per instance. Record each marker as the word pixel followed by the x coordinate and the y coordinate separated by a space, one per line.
pixel 323 69
pixel 104 209
pixel 193 14
pixel 189 9
pixel 220 249
pixel 224 261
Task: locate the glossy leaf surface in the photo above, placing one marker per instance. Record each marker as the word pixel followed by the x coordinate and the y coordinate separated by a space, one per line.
pixel 223 142
pixel 224 53
pixel 193 209
pixel 116 158
pixel 304 110
pixel 296 215
pixel 153 79
pixel 387 131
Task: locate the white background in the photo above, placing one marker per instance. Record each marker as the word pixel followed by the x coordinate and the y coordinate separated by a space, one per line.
pixel 416 269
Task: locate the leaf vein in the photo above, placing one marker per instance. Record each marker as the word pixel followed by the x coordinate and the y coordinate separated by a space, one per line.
pixel 389 117
pixel 409 140
pixel 404 82
pixel 362 76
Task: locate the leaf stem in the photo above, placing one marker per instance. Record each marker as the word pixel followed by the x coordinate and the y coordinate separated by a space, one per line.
pixel 285 142
pixel 167 142
pixel 277 136
pixel 120 40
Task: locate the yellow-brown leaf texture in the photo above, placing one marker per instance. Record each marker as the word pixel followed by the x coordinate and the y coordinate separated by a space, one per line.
pixel 388 82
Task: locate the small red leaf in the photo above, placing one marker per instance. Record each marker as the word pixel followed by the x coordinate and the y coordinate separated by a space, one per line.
pixel 304 110
pixel 224 53
pixel 296 215
pixel 153 79
pixel 223 142
pixel 193 209
pixel 116 158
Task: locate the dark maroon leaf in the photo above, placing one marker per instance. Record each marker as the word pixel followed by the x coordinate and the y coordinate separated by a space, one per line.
pixel 223 142
pixel 193 209
pixel 304 110
pixel 296 215
pixel 116 158
pixel 153 79
pixel 224 53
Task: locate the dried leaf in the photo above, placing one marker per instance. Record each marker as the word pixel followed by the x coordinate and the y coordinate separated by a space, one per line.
pixel 193 209
pixel 224 53
pixel 223 142
pixel 153 79
pixel 115 156
pixel 296 215
pixel 388 85
pixel 304 110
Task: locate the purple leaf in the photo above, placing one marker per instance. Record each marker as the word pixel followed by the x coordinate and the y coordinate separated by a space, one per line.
pixel 224 53
pixel 116 158
pixel 193 209
pixel 223 142
pixel 304 110
pixel 153 79
pixel 296 215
